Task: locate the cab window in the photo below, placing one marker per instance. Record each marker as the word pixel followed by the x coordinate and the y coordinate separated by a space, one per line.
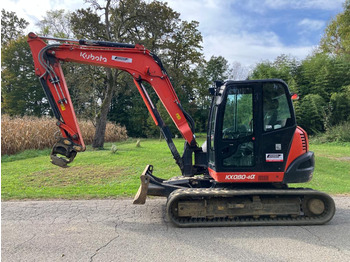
pixel 276 109
pixel 238 114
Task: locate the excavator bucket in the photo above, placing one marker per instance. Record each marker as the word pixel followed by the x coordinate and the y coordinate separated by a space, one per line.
pixel 66 148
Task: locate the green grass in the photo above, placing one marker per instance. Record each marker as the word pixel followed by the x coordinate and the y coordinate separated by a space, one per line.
pixel 102 174
pixel 93 174
pixel 332 168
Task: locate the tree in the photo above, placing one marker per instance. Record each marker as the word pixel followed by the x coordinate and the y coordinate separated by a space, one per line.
pixel 153 131
pixel 132 21
pixel 85 23
pixel 284 67
pixel 128 108
pixel 312 75
pixel 11 26
pixel 216 69
pixel 85 82
pixel 323 74
pixel 20 89
pixel 327 73
pixel 340 107
pixel 86 87
pixel 56 23
pixel 181 53
pixel 21 93
pixel 310 113
pixel 238 71
pixel 336 39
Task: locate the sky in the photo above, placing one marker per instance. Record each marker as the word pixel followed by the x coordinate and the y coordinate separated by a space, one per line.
pixel 243 31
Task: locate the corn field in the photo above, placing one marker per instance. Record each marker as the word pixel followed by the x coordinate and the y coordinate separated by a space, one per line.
pixel 19 134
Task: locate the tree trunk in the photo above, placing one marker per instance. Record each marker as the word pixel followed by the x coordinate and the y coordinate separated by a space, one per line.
pixel 101 118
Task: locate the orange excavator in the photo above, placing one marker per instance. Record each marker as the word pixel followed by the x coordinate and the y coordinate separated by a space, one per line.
pixel 238 177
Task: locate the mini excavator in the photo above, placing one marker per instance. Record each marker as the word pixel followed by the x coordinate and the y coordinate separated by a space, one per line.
pixel 238 177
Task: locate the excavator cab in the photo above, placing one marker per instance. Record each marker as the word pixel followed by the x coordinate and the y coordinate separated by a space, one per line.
pixel 251 127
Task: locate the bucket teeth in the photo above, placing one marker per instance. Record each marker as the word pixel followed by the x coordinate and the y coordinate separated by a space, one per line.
pixel 59 161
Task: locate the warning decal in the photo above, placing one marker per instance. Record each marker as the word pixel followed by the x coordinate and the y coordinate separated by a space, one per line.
pixel 274 157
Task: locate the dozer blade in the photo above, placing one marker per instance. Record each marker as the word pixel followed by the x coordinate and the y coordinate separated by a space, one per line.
pixel 141 195
pixel 155 186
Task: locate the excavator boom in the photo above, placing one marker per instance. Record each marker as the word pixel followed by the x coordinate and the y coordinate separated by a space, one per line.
pixel 139 62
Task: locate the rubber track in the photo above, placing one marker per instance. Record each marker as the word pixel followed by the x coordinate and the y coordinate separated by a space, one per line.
pixel 194 193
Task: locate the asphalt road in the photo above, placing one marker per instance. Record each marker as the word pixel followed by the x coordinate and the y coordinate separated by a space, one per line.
pixel 116 230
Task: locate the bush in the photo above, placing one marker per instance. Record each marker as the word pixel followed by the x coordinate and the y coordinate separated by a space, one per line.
pixel 339 133
pixel 19 134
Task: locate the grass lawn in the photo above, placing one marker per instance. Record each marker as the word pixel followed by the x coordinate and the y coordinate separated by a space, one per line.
pixel 93 174
pixel 332 168
pixel 102 174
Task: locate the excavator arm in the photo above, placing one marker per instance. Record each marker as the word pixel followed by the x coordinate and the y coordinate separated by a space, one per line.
pixel 139 62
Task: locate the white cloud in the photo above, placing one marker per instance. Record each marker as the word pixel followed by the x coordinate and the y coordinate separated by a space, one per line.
pixel 302 4
pixel 263 6
pixel 312 24
pixel 214 16
pixel 250 49
pixel 33 11
pixel 227 34
pixel 225 31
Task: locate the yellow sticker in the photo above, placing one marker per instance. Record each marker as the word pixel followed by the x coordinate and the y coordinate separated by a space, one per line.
pixel 63 107
pixel 178 116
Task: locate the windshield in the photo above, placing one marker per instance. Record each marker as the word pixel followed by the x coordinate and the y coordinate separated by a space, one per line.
pixel 238 115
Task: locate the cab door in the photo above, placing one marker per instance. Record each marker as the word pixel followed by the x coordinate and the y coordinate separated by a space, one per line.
pixel 278 126
pixel 235 144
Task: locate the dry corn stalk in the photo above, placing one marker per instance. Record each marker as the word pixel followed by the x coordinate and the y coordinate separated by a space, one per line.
pixel 18 134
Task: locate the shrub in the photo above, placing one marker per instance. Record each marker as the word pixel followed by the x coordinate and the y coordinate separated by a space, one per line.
pixel 18 134
pixel 339 133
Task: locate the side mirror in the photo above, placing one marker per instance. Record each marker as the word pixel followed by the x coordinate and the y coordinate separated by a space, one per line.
pixel 217 84
pixel 295 96
pixel 212 90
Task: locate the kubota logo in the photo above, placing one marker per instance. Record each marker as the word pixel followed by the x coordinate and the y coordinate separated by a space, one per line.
pixel 93 58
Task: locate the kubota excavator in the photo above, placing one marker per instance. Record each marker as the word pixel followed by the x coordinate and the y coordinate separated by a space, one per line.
pixel 239 177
